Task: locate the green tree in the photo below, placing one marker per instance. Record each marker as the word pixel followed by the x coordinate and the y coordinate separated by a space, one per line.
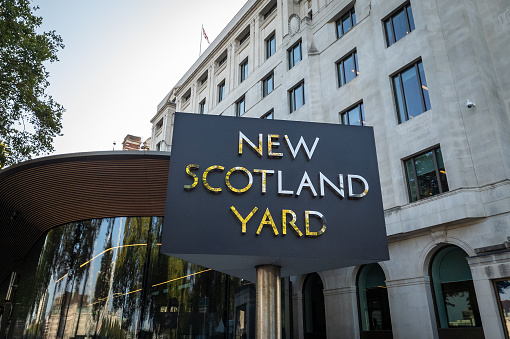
pixel 29 117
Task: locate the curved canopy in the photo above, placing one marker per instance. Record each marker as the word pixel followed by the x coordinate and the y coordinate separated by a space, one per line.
pixel 40 194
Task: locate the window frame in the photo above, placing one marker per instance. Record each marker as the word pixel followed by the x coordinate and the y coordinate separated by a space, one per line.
pixel 340 68
pixel 270 11
pixel 243 70
pixel 411 158
pixel 339 22
pixel 389 19
pixel 292 96
pixel 421 86
pixel 265 87
pixel 221 91
pixel 506 329
pixel 244 38
pixel 346 112
pixel 269 41
pixel 201 107
pixel 238 106
pixel 268 114
pixel 291 54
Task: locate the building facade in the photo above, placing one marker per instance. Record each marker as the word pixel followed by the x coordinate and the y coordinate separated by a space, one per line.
pixel 431 78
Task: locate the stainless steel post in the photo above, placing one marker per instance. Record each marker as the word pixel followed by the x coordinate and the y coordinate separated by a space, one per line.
pixel 268 302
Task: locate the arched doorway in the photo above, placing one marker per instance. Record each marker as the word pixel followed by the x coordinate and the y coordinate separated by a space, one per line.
pixel 454 295
pixel 374 308
pixel 313 308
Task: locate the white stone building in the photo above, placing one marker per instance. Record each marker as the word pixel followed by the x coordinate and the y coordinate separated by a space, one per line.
pixel 432 78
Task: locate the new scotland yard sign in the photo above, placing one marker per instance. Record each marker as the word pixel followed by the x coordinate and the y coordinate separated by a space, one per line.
pixel 246 192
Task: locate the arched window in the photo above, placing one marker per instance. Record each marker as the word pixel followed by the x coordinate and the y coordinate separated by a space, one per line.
pixel 313 308
pixel 455 299
pixel 374 307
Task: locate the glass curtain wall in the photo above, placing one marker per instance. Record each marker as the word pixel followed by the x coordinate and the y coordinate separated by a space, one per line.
pixel 105 278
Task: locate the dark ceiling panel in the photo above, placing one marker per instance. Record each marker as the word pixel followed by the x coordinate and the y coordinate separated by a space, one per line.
pixel 40 194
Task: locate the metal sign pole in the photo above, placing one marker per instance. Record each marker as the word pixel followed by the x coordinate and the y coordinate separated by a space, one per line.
pixel 268 302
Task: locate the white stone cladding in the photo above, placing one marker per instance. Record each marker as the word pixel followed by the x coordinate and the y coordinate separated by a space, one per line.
pixel 464 46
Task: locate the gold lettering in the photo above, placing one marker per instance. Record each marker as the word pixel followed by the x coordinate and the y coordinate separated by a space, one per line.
pixel 264 177
pixel 245 220
pixel 271 144
pixel 239 190
pixel 204 178
pixel 307 223
pixel 243 137
pixel 267 219
pixel 291 223
pixel 193 175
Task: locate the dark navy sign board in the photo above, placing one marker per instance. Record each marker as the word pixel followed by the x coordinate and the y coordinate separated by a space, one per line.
pixel 201 227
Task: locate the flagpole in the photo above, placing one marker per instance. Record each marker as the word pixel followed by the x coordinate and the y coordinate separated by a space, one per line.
pixel 201 33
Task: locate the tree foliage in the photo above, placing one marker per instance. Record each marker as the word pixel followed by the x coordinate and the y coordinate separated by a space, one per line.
pixel 29 117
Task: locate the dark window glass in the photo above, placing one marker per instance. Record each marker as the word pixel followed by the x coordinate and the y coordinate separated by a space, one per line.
pixel 270 46
pixel 426 175
pixel 243 71
pixel 240 107
pixel 221 91
pixel 244 38
pixel 411 92
pixel 345 23
pixel 159 124
pixel 269 115
pixel 201 108
pixel 223 60
pixel 354 116
pixel 271 10
pixel 347 68
pixel 314 307
pixel 295 55
pixel 373 299
pixel 268 85
pixel 297 97
pixel 399 25
pixel 503 292
pixel 455 298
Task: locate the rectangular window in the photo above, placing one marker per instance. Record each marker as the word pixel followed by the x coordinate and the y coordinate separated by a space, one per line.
pixel 411 92
pixel 354 116
pixel 221 91
pixel 347 68
pixel 503 292
pixel 295 55
pixel 399 24
pixel 203 80
pixel 297 97
pixel 268 85
pixel 345 23
pixel 159 124
pixel 269 11
pixel 240 107
pixel 201 107
pixel 244 38
pixel 426 175
pixel 270 46
pixel 222 60
pixel 243 70
pixel 268 115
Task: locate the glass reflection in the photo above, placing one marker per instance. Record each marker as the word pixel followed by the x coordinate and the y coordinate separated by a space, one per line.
pixel 503 291
pixel 105 278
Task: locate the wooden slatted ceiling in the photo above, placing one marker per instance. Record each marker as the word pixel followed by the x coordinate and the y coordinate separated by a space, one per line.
pixel 38 195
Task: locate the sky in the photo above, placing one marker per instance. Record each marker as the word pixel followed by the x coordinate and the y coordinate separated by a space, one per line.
pixel 120 60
